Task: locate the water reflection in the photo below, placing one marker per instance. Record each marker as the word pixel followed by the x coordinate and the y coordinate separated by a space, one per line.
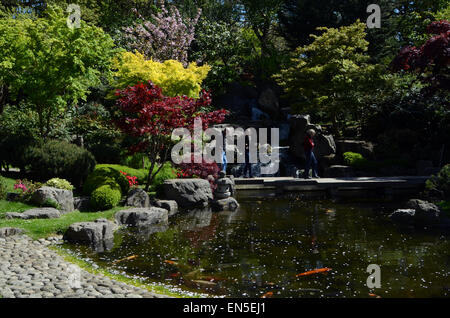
pixel 262 247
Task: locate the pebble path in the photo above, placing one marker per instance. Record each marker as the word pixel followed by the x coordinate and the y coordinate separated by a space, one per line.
pixel 28 269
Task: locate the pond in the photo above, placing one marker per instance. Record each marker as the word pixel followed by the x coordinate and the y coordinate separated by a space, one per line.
pixel 260 249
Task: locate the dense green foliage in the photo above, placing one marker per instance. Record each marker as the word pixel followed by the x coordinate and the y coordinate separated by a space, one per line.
pixel 50 65
pixel 331 75
pixel 355 160
pixel 105 175
pixel 3 188
pixel 105 197
pixel 173 78
pixel 59 184
pixel 441 182
pixel 59 159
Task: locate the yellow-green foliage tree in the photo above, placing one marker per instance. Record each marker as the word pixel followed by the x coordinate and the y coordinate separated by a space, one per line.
pixel 332 74
pixel 173 78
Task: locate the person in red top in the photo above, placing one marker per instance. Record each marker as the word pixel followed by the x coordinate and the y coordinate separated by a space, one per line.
pixel 311 161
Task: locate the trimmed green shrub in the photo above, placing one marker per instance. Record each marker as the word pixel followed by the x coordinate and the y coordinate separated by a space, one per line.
pixel 355 160
pixel 440 182
pixel 60 159
pixel 59 184
pixel 141 174
pixel 105 197
pixel 3 188
pixel 105 175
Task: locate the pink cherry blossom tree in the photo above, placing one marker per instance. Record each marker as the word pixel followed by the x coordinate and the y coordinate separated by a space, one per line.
pixel 167 36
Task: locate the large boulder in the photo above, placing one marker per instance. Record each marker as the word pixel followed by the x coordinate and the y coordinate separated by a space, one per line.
pixel 138 198
pixel 141 217
pixel 365 148
pixel 426 213
pixel 337 171
pixel 299 124
pixel 170 205
pixel 325 145
pixel 98 234
pixel 37 213
pixel 188 193
pixel 10 231
pixel 63 197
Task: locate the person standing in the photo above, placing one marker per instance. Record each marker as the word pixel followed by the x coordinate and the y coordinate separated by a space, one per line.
pixel 247 165
pixel 311 161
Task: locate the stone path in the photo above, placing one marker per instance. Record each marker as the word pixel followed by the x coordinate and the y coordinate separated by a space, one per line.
pixel 28 269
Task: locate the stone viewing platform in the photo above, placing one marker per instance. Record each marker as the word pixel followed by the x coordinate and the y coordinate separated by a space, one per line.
pixel 335 186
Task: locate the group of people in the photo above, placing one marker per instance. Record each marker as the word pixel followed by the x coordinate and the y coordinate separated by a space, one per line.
pixel 308 146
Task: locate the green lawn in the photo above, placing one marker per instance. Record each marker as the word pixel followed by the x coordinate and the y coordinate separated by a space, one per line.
pixel 10 184
pixel 45 227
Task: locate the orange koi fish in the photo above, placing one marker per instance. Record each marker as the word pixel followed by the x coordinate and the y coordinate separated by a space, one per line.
pixel 170 262
pixel 316 271
pixel 129 258
pixel 267 295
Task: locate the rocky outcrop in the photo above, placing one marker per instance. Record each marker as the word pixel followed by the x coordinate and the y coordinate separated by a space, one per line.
pixel 63 197
pixel 325 145
pixel 339 172
pixel 38 213
pixel 138 198
pixel 365 148
pixel 99 234
pixel 141 217
pixel 188 193
pixel 419 213
pixel 299 124
pixel 427 213
pixel 10 231
pixel 170 205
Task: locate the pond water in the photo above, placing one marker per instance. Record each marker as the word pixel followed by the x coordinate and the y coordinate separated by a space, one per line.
pixel 260 249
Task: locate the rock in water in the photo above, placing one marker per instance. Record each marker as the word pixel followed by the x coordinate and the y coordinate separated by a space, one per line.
pixel 142 216
pixel 38 213
pixel 188 193
pixel 138 198
pixel 170 205
pixel 98 234
pixel 403 216
pixel 426 213
pixel 228 204
pixel 63 197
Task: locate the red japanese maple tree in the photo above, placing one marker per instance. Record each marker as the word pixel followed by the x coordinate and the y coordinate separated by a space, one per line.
pixel 432 59
pixel 150 117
